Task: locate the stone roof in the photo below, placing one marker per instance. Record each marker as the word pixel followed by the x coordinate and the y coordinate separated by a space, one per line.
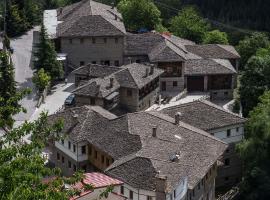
pixel 158 47
pixel 89 18
pixel 134 75
pixel 208 66
pixel 215 51
pixel 197 151
pixel 205 115
pixel 138 155
pixel 129 76
pixel 98 87
pixel 95 70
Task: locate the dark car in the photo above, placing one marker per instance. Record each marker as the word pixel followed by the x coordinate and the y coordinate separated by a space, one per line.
pixel 11 50
pixel 70 100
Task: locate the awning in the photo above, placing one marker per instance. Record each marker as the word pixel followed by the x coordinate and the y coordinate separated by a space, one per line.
pixel 112 96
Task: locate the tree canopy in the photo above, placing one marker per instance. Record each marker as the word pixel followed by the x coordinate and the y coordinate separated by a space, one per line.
pixel 47 57
pixel 249 46
pixel 41 79
pixel 215 37
pixel 254 151
pixel 189 25
pixel 139 14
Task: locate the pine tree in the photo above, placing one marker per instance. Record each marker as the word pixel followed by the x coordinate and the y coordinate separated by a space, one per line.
pixel 46 56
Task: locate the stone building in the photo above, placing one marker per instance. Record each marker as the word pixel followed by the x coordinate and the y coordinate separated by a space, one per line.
pixel 91 32
pixel 221 124
pixel 132 87
pixel 154 155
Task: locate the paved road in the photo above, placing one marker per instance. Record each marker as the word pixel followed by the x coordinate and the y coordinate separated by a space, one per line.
pixel 23 72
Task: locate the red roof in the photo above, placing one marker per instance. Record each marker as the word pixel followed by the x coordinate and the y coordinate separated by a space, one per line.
pixel 97 180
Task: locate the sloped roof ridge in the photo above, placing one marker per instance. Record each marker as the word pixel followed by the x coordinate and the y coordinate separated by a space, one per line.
pixel 220 108
pixel 185 125
pixel 217 60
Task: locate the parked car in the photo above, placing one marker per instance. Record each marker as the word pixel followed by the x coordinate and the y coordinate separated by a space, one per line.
pixel 70 100
pixel 11 50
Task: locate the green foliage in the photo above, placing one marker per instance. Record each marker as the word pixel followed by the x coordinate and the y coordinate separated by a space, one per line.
pixel 46 56
pixel 22 169
pixel 41 79
pixel 249 46
pixel 139 14
pixel 189 25
pixel 216 37
pixel 15 20
pixel 255 81
pixel 9 97
pixel 254 151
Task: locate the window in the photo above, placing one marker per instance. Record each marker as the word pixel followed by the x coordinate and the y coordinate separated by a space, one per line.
pixel 226 93
pixel 74 148
pixel 69 145
pixel 92 101
pixel 116 40
pixel 227 162
pixel 193 193
pixel 94 40
pixel 105 40
pixel 62 141
pixel 82 63
pixel 58 156
pixel 138 61
pixel 90 150
pixel 199 186
pixel 84 149
pixel 63 159
pixel 174 83
pixel 169 70
pixel 95 154
pixel 130 194
pixel 237 129
pixel 122 189
pixel 227 150
pixel 174 193
pixel 70 41
pixel 102 159
pixel 94 62
pixel 69 164
pixel 116 63
pixel 226 178
pixel 74 168
pixel 107 161
pixel 81 40
pixel 107 63
pixel 163 86
pixel 149 198
pixel 129 93
pixel 228 133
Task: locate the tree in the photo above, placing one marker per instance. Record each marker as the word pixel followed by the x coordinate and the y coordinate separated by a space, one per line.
pixel 41 79
pixel 216 37
pixel 46 56
pixel 189 25
pixel 254 151
pixel 249 46
pixel 9 97
pixel 15 20
pixel 22 168
pixel 139 14
pixel 254 82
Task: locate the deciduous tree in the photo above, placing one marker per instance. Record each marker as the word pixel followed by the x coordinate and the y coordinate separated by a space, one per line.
pixel 189 25
pixel 254 151
pixel 215 37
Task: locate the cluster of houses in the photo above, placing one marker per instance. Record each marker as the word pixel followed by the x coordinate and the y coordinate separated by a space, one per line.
pixel 182 152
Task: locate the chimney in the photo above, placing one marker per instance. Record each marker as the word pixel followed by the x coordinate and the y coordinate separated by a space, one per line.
pixel 129 60
pixel 177 118
pixel 115 17
pixel 147 72
pixel 152 69
pixel 154 132
pixel 161 186
pixel 112 4
pixel 60 10
pixel 111 82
